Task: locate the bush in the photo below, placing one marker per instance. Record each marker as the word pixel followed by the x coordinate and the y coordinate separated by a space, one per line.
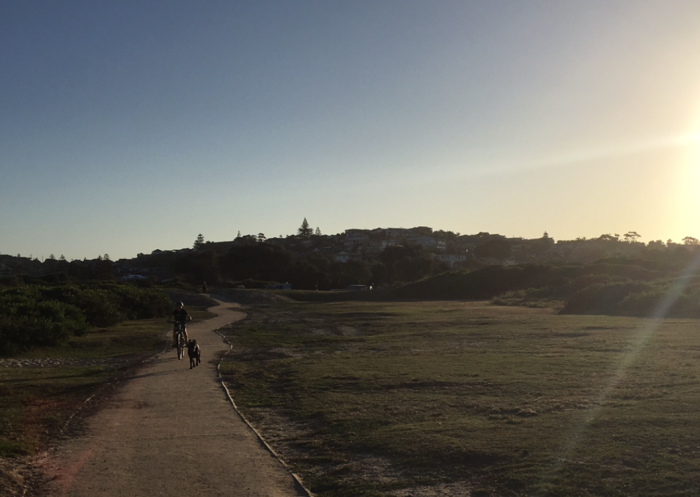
pixel 601 298
pixel 41 315
pixel 484 283
pixel 40 324
pixel 101 307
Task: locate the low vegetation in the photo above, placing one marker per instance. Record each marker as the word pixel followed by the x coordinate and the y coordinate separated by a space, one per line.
pixel 377 398
pixel 616 287
pixel 43 315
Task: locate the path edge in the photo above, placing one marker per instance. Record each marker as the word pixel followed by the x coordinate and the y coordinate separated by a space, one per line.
pixel 297 479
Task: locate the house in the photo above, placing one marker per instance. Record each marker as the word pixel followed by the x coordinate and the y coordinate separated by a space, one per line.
pixel 342 257
pixel 428 242
pixel 5 270
pixel 355 238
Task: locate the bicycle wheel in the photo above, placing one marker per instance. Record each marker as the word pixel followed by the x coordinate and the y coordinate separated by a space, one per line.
pixel 180 346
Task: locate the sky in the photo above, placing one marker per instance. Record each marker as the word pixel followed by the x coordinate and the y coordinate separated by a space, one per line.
pixel 131 126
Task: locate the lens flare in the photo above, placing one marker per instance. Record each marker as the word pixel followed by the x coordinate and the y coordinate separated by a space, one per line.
pixel 688 220
pixel 639 341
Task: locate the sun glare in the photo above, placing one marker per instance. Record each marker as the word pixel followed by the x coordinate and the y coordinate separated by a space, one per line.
pixel 687 221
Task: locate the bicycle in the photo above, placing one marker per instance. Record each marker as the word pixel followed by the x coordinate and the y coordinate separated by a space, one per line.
pixel 181 342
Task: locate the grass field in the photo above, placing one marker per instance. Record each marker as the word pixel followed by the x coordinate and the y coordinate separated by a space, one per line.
pixel 367 398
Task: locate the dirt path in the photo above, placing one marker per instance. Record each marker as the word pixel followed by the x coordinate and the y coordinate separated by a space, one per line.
pixel 170 431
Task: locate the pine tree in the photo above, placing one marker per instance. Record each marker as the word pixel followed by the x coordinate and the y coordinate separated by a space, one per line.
pixel 305 231
pixel 318 231
pixel 199 242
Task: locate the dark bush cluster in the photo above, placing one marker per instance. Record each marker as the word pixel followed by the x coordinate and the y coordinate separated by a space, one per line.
pixel 44 315
pixel 627 287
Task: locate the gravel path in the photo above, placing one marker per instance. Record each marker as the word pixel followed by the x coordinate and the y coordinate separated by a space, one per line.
pixel 169 431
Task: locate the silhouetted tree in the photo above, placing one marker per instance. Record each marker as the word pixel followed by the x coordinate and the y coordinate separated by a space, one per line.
pixel 310 273
pixel 252 260
pixel 407 262
pixel 631 236
pixel 198 266
pixel 351 273
pixel 495 249
pixel 305 231
pixel 199 242
pixel 422 230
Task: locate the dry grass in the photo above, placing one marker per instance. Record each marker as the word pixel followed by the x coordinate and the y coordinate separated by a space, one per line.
pixel 390 398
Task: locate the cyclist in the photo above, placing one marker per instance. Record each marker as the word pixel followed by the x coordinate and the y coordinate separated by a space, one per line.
pixel 181 317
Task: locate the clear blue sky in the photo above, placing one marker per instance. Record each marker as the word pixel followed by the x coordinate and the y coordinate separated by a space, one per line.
pixel 134 125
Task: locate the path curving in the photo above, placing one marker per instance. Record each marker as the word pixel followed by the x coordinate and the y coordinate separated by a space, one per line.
pixel 170 431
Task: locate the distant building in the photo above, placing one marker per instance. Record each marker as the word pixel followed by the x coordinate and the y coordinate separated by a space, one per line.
pixel 342 257
pixel 428 242
pixel 355 238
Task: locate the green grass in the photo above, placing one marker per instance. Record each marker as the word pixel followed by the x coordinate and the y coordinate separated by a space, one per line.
pixel 36 402
pixel 505 400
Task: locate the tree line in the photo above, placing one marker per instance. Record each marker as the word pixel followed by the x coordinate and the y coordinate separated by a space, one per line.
pixel 254 264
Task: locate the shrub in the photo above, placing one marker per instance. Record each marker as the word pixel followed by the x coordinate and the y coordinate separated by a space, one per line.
pixel 41 315
pixel 601 298
pixel 40 324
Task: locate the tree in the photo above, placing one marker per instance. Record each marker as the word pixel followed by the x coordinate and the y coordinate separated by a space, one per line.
pixel 318 231
pixel 305 231
pixel 260 261
pixel 422 230
pixel 689 240
pixel 496 249
pixel 631 236
pixel 261 237
pixel 407 262
pixel 239 234
pixel 656 244
pixel 199 242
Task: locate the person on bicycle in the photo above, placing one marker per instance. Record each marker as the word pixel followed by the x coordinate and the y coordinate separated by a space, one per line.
pixel 181 317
